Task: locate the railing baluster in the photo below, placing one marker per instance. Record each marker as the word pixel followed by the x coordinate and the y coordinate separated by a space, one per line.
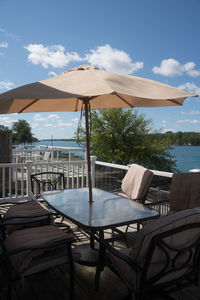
pixel 3 182
pixel 82 175
pixel 78 176
pixel 72 176
pixel 10 181
pixel 68 176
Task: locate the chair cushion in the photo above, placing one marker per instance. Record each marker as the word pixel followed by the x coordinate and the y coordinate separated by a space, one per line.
pixel 185 191
pixel 30 237
pixel 165 223
pixel 30 208
pixel 136 182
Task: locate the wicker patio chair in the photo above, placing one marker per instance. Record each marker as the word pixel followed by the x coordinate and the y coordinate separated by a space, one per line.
pixel 33 250
pixel 165 256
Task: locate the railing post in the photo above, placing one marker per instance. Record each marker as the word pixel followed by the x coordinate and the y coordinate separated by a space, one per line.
pixel 93 160
pixel 29 172
pixel 52 155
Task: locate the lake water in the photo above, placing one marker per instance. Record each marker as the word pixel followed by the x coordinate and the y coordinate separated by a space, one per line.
pixel 187 157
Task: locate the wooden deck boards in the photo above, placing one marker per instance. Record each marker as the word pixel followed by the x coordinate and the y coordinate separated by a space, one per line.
pixel 54 285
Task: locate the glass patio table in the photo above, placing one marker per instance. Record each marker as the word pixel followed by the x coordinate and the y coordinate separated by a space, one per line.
pixel 107 211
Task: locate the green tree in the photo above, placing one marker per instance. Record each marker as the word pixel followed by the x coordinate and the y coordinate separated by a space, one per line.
pixel 124 136
pixel 22 132
pixel 4 128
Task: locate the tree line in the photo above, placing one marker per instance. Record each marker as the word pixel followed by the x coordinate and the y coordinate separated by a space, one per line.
pixel 21 132
pixel 180 138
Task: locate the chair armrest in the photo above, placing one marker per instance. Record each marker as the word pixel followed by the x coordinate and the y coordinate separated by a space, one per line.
pixel 119 254
pixel 156 202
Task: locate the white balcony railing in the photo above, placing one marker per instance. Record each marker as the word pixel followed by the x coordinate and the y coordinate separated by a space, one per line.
pixel 15 177
pixel 44 154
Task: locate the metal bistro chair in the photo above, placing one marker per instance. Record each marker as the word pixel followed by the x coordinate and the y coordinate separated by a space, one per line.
pixel 33 250
pixel 165 256
pixel 46 181
pixel 34 213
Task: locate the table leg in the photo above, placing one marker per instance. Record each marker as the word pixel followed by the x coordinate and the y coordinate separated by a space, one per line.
pixel 101 261
pixel 92 241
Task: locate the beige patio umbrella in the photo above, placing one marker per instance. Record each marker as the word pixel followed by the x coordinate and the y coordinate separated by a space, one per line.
pixel 88 88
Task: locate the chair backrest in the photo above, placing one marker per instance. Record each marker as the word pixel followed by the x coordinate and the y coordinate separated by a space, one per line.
pixel 46 181
pixel 185 191
pixel 168 248
pixel 136 182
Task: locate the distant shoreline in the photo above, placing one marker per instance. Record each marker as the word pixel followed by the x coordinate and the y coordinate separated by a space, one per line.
pixel 63 140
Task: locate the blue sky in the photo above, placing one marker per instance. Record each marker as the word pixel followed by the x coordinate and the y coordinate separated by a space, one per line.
pixel 156 39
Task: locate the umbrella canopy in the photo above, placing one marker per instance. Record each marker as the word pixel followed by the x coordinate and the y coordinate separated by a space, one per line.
pixel 87 88
pixel 67 92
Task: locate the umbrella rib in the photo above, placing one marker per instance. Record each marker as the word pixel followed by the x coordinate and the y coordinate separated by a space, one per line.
pixel 24 108
pixel 174 101
pixel 124 100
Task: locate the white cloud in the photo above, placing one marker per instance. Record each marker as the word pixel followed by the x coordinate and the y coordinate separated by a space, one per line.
pixel 7 121
pixel 168 129
pixel 35 125
pixel 4 45
pixel 164 122
pixel 39 118
pixel 53 117
pixel 14 36
pixel 171 67
pixel 113 60
pixel 7 85
pixel 75 120
pixel 193 112
pixel 49 125
pixel 54 56
pixel 104 57
pixel 188 121
pixel 61 124
pixel 190 87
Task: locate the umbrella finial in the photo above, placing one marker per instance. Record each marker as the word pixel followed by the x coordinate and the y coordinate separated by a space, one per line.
pixel 82 68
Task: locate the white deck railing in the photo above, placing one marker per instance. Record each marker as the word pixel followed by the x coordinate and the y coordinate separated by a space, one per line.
pixel 122 167
pixel 15 177
pixel 44 154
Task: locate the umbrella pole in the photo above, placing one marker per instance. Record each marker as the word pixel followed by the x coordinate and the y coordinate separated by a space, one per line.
pixel 88 149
